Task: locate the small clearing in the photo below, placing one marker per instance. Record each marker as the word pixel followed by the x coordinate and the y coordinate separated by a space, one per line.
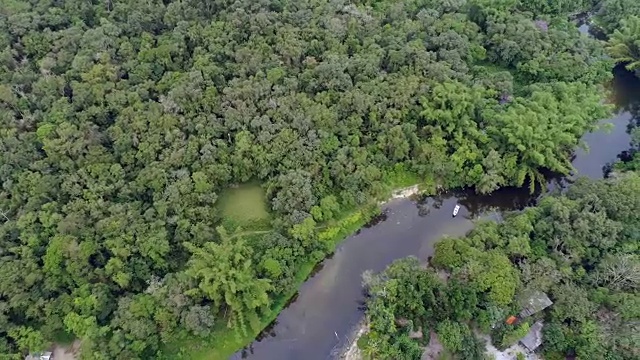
pixel 434 349
pixel 66 352
pixel 245 205
pixel 403 193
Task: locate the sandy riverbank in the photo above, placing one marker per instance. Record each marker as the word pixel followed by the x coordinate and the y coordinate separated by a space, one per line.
pixel 353 352
pixel 404 193
pixel 431 352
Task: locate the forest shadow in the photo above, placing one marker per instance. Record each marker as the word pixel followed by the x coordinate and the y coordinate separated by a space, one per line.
pixel 505 199
pixel 625 89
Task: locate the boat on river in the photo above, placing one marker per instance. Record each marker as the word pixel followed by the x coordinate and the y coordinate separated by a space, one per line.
pixel 455 210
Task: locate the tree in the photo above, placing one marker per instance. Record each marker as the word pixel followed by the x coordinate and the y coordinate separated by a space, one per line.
pixel 199 320
pixel 555 339
pixel 450 334
pixel 557 7
pixel 511 334
pixel 226 276
pixel 624 43
pixel 461 300
pixel 571 302
pixel 542 274
pixel 496 275
pixel 28 339
pixel 619 271
pixel 589 340
pixel 294 192
pixel 305 232
pixel 450 254
pixel 611 13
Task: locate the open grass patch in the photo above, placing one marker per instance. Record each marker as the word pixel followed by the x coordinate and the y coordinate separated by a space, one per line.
pixel 399 177
pixel 245 206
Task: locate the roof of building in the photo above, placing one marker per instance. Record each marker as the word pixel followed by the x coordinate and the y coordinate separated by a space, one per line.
pixel 536 301
pixel 533 339
pixel 47 355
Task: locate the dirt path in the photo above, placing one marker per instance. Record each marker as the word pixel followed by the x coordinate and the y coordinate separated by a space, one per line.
pixel 243 233
pixel 68 352
pixel 433 350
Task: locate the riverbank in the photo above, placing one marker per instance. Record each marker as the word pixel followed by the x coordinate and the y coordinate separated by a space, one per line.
pixel 224 342
pixel 326 309
pixel 353 352
pixel 328 303
pixel 434 350
pixel 407 231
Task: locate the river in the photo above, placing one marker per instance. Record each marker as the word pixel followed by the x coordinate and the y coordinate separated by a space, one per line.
pixel 317 324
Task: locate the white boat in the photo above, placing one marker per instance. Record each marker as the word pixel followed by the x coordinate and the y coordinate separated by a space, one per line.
pixel 455 210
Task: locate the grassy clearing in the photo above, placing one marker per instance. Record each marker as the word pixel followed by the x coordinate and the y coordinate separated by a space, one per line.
pixel 245 206
pixel 400 178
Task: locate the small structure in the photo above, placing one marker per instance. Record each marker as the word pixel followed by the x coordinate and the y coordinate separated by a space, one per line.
pixel 535 302
pixel 47 355
pixel 533 339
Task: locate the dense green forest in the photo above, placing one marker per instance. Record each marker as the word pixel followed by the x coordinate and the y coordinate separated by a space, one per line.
pixel 620 19
pixel 624 43
pixel 610 14
pixel 581 248
pixel 125 123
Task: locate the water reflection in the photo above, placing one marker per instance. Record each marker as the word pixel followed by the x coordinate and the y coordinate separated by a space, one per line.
pixel 505 199
pixel 474 205
pixel 625 91
pixel 626 98
pixel 384 214
pixel 266 333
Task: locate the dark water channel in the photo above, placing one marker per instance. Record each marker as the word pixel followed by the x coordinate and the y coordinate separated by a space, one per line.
pixel 317 324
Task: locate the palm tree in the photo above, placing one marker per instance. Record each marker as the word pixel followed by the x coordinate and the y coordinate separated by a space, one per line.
pixel 226 276
pixel 624 44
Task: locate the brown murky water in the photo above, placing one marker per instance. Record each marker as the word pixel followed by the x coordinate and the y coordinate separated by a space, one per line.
pixel 329 305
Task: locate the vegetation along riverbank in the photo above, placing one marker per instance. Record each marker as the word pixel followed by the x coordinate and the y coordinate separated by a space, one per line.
pixel 577 251
pixel 171 171
pixel 566 272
